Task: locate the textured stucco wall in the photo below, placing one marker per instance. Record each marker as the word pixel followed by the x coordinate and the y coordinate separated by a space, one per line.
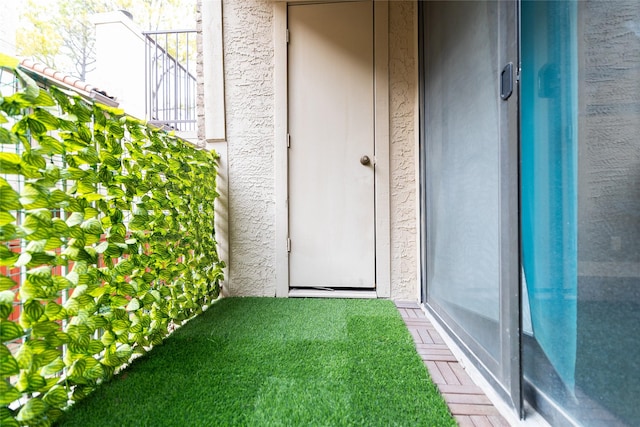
pixel 249 97
pixel 403 150
pixel 609 88
pixel 608 155
pixel 248 62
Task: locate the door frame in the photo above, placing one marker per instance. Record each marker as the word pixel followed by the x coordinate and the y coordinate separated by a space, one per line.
pixel 381 147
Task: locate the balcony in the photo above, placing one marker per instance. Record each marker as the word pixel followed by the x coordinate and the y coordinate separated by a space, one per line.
pixel 154 78
pixel 126 293
pixel 107 259
pixel 170 83
pixel 107 246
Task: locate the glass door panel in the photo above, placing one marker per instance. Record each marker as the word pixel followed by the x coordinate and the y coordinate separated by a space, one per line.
pixel 463 137
pixel 580 160
pixel 469 167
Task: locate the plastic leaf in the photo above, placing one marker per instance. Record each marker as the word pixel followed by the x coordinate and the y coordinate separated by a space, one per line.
pixel 8 393
pixel 9 331
pixel 33 409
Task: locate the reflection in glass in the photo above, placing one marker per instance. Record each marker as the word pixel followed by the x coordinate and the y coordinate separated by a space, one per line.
pixel 581 206
pixel 549 178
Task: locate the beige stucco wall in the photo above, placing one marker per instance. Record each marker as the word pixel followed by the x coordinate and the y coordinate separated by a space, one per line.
pixel 403 93
pixel 249 98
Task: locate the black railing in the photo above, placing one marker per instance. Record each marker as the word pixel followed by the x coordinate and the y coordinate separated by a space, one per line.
pixel 170 83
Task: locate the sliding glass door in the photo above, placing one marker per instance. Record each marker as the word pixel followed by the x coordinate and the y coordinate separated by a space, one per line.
pixel 469 166
pixel 530 197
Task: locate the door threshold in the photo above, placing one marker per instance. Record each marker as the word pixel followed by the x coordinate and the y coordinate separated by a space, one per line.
pixel 330 293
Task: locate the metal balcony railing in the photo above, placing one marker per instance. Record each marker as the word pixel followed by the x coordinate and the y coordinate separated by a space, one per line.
pixel 170 58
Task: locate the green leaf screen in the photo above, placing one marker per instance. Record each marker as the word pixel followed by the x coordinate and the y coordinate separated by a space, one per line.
pixel 106 244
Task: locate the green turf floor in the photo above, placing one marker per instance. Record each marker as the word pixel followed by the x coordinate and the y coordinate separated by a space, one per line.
pixel 275 362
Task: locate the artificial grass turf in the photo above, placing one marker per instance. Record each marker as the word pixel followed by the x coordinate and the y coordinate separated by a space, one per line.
pixel 275 362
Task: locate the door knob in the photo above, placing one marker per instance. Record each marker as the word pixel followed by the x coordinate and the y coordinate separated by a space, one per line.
pixel 365 160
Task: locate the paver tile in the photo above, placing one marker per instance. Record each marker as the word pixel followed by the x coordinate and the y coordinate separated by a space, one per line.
pixel 425 336
pixel 435 351
pixel 448 374
pixel 498 421
pixel 415 313
pixel 464 421
pixel 426 355
pixel 467 402
pixel 419 323
pixel 416 336
pixel 436 375
pixel 435 336
pixel 433 346
pixel 460 389
pixel 462 375
pixel 406 304
pixel 469 409
pixel 472 399
pixel 481 421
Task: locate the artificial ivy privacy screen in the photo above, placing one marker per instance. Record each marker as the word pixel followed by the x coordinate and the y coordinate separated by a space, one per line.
pixel 112 231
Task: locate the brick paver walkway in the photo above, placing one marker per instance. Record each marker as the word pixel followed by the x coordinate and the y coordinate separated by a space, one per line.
pixel 467 402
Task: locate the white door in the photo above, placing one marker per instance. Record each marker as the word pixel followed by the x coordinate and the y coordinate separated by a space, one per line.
pixel 331 127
